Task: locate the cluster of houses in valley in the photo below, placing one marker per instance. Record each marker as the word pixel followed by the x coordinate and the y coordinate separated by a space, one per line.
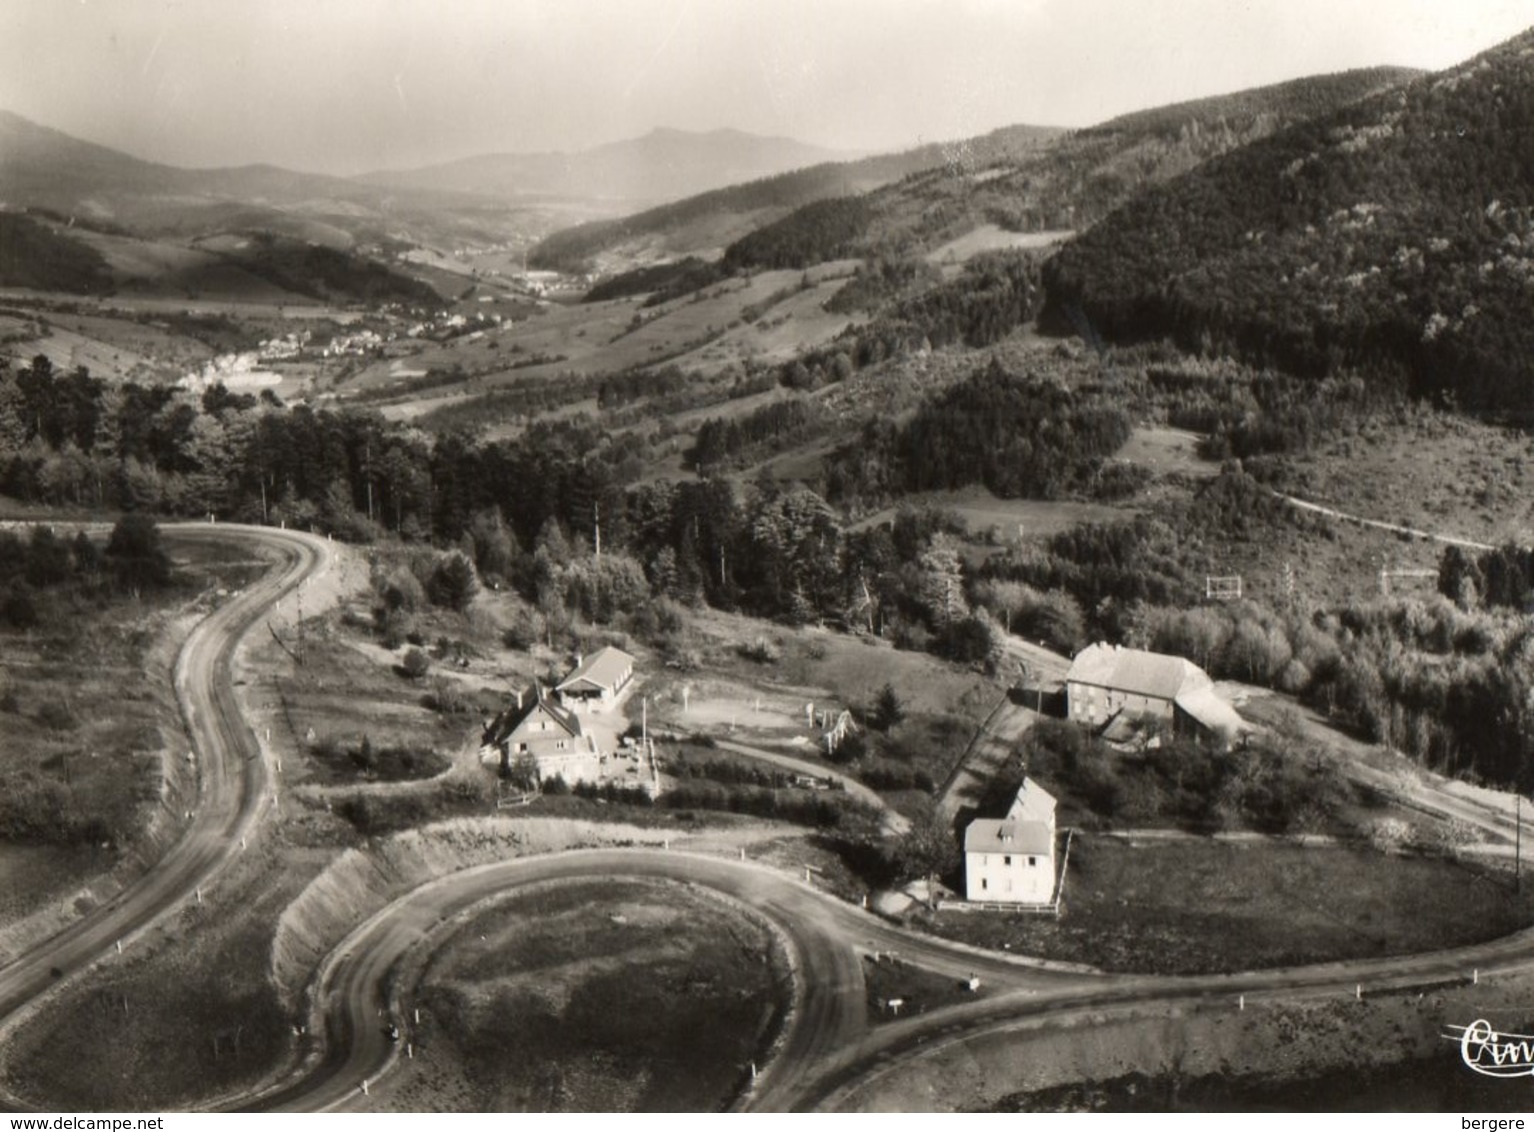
pixel 560 729
pixel 1129 698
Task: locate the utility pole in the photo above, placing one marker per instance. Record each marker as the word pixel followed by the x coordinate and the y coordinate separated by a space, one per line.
pixel 596 525
pixel 1517 842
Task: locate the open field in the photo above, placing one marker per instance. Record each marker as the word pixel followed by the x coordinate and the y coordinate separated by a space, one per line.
pixel 982 511
pixel 1238 907
pixel 992 238
pixel 703 333
pixel 616 996
pixel 188 1015
pixel 1432 471
pixel 1166 451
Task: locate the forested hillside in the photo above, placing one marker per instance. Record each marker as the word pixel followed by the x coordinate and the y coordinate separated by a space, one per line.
pixel 1078 178
pixel 739 208
pixel 1394 237
pixel 33 255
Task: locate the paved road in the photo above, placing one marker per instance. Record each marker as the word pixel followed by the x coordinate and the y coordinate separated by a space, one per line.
pixel 829 1052
pixel 232 778
pixel 828 940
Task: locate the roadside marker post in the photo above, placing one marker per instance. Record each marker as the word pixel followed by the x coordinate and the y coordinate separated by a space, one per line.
pixel 119 947
pixel 1475 977
pixel 1241 1003
pixel 364 1086
pixel 1358 992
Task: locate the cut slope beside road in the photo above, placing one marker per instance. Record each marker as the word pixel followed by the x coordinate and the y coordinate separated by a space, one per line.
pixel 233 781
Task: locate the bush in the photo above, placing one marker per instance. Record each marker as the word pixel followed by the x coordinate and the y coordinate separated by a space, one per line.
pixel 415 664
pixel 761 650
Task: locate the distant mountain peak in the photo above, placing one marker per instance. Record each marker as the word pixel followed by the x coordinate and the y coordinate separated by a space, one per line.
pixel 667 163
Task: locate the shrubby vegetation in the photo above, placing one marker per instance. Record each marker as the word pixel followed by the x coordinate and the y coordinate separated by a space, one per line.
pixel 1265 785
pixel 1017 435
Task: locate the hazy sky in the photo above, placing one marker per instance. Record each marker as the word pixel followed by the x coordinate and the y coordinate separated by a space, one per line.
pixel 348 85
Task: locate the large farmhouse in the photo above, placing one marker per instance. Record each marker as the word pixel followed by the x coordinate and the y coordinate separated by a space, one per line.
pixel 1011 860
pixel 597 681
pixel 1109 683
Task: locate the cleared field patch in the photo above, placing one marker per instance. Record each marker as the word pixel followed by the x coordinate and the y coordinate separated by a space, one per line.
pixel 1167 450
pixel 1187 907
pixel 341 697
pixel 599 996
pixel 981 511
pixel 992 238
pixel 1431 471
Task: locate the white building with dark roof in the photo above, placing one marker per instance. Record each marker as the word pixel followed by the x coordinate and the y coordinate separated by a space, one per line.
pixel 1011 860
pixel 552 735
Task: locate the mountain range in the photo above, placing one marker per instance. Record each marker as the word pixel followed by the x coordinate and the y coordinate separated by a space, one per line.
pixel 45 168
pixel 663 165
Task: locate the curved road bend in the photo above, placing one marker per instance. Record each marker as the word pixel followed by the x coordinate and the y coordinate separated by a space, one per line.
pixel 826 938
pixel 828 1050
pixel 231 782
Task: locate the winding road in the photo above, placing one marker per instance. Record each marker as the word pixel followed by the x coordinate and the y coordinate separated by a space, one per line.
pixel 232 781
pixel 829 1053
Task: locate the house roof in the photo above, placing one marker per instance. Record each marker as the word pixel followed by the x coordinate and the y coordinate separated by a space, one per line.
pixel 509 720
pixel 1032 804
pixel 605 668
pixel 1211 712
pixel 1136 671
pixel 992 835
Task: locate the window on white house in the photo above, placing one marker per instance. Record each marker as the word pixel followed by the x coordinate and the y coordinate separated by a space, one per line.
pixel 1032 861
pixel 1006 860
pixel 984 884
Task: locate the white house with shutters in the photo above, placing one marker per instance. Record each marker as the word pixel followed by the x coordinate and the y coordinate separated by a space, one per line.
pixel 1011 860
